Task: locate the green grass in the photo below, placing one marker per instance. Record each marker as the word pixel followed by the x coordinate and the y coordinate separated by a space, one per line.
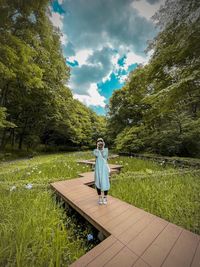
pixel 35 230
pixel 43 169
pixel 172 194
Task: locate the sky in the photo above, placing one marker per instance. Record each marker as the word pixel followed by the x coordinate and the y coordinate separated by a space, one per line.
pixel 102 41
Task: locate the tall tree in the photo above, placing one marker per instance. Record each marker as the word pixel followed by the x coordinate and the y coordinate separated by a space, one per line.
pixel 33 75
pixel 166 91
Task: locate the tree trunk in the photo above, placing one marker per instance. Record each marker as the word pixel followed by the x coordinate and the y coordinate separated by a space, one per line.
pixel 4 93
pixel 21 137
pixel 3 139
pixel 13 138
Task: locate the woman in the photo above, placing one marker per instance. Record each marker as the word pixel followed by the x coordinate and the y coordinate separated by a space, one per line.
pixel 101 172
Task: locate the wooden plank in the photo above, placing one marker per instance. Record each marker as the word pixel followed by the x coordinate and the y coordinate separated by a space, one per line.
pixel 105 256
pixel 125 258
pixel 70 191
pixel 127 215
pixel 113 215
pixel 141 263
pixel 107 209
pixel 183 251
pixel 91 204
pixel 196 259
pixel 118 213
pixel 81 195
pixel 140 222
pixel 78 195
pixel 92 254
pixel 96 208
pixel 160 248
pixel 141 242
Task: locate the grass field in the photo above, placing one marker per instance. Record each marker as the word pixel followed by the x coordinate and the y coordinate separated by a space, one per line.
pixel 172 194
pixel 34 229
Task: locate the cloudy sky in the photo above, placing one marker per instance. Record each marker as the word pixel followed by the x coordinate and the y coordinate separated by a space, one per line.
pixel 102 41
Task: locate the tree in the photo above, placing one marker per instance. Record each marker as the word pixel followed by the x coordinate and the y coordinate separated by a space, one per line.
pixel 163 98
pixel 33 78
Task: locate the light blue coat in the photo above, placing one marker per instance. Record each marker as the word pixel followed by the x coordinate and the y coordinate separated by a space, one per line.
pixel 101 172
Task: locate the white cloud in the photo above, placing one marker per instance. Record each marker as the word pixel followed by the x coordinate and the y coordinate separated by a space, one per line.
pixel 93 98
pixel 132 58
pixel 96 36
pixel 122 78
pixel 114 69
pixel 57 19
pixel 145 9
pixel 81 56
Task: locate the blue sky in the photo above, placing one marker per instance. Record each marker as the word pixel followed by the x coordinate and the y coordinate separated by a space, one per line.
pixel 102 41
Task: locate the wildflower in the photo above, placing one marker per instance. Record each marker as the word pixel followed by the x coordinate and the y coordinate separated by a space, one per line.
pixel 28 173
pixel 13 188
pixel 163 163
pixel 39 172
pixel 28 186
pixel 90 237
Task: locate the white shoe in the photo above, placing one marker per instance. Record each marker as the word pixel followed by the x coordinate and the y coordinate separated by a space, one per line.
pixel 100 202
pixel 105 200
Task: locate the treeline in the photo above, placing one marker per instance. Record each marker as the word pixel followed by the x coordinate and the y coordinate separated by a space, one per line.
pixel 36 107
pixel 158 109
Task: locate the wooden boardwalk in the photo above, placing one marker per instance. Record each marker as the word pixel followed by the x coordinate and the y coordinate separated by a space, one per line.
pixel 133 237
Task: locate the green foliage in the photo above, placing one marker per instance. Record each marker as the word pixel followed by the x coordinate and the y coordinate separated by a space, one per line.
pixel 158 109
pixel 130 139
pixel 3 122
pixel 33 78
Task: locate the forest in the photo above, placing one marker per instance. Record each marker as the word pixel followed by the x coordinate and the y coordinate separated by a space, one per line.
pixel 156 111
pixel 36 106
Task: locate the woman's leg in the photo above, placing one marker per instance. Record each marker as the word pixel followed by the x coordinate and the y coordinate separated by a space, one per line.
pixel 98 191
pixel 100 197
pixel 106 193
pixel 105 197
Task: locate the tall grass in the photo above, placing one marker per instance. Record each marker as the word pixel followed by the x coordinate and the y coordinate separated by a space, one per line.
pixel 172 194
pixel 34 229
pixel 43 169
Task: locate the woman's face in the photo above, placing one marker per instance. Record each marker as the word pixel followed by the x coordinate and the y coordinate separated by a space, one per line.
pixel 100 144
